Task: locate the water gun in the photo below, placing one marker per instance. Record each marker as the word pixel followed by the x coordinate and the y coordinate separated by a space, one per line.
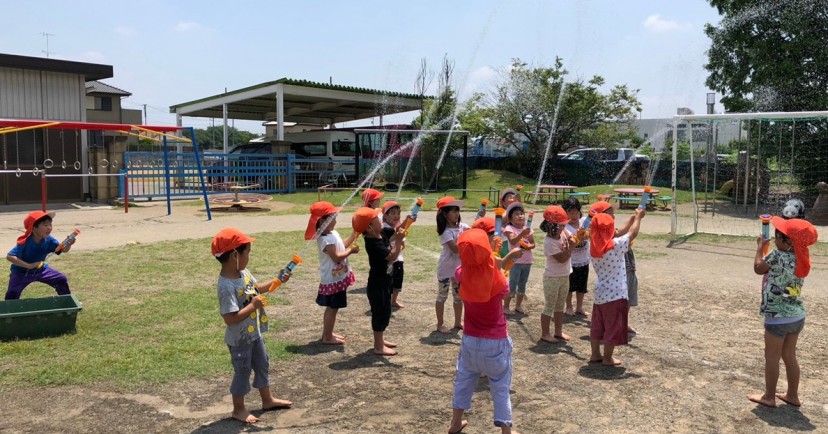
pixel 409 219
pixel 765 218
pixel 583 230
pixel 277 282
pixel 482 208
pixel 645 196
pixel 61 246
pixel 529 219
pixel 498 232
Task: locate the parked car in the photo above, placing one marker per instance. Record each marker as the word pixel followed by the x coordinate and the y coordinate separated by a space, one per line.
pixel 600 166
pixel 604 155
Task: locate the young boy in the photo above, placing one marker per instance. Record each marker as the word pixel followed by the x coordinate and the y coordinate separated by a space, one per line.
pixel 28 254
pixel 371 198
pixel 382 253
pixel 390 223
pixel 242 308
pixel 610 305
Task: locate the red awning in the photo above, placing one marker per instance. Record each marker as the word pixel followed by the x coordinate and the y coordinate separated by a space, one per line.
pixel 91 126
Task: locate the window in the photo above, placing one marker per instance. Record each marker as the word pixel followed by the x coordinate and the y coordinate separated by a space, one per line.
pixel 344 149
pixel 103 103
pixel 311 149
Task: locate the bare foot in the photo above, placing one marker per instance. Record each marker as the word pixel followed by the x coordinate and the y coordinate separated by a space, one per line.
pixel 631 330
pixel 338 336
pixel 443 329
pixel 245 417
pixel 274 404
pixel 398 305
pixel 390 344
pixel 549 338
pixel 458 326
pixel 334 341
pixel 613 362
pixel 385 351
pixel 563 336
pixel 762 400
pixel 520 310
pixel 582 313
pixel 794 401
pixel 454 429
pixel 569 312
pixel 508 312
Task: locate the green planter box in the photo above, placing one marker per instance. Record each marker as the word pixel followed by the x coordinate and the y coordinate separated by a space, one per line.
pixel 33 318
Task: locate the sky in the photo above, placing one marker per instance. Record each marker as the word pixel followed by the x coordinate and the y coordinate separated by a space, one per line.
pixel 171 52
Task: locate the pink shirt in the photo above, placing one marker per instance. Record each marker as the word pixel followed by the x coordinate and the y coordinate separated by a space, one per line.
pixel 526 257
pixel 486 320
pixel 552 247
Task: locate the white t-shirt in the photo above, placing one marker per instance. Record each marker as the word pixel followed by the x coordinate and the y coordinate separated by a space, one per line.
pixel 580 254
pixel 330 271
pixel 449 261
pixel 611 273
pixel 526 257
pixel 551 247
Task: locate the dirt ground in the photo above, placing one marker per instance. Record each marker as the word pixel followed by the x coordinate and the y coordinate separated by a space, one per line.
pixel 697 355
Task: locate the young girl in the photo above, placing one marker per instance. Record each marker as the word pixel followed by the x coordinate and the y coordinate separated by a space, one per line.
pixel 382 252
pixel 390 223
pixel 449 227
pixel 610 307
pixel 486 348
pixel 334 272
pixel 579 257
pixel 782 307
pixel 515 231
pixel 557 247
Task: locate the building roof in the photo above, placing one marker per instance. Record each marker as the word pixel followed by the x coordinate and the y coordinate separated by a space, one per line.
pixel 304 102
pixel 100 87
pixel 90 71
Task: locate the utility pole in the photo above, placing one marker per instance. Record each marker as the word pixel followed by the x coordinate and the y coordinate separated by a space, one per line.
pixel 46 35
pixel 145 114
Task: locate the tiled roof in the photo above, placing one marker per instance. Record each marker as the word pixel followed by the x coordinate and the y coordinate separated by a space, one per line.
pixel 99 87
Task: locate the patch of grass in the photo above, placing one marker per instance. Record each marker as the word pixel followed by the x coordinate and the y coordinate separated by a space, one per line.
pixel 150 316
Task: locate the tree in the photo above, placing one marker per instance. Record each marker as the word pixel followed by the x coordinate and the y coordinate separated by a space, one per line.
pixel 213 137
pixel 770 56
pixel 524 112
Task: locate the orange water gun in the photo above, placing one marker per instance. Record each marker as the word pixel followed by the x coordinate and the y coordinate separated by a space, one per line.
pixel 765 218
pixel 482 209
pixel 409 219
pixel 61 246
pixel 277 282
pixel 645 196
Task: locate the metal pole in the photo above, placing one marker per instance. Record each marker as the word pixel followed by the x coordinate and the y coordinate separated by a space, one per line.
pixel 167 174
pixel 126 192
pixel 200 173
pixel 43 191
pixel 465 163
pixel 758 172
pixel 674 213
pixel 747 168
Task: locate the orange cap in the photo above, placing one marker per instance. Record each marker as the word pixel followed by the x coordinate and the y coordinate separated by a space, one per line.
pixel 601 206
pixel 29 222
pixel 555 214
pixel 601 233
pixel 802 234
pixel 370 195
pixel 486 223
pixel 388 205
pixel 228 239
pixel 317 211
pixel 363 217
pixel 480 278
pixel 449 201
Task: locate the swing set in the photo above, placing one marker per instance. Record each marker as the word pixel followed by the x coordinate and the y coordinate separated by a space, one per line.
pixel 155 133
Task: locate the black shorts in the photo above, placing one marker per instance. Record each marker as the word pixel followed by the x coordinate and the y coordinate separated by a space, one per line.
pixel 334 301
pixel 578 279
pixel 399 272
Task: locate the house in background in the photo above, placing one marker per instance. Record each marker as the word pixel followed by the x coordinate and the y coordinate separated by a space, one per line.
pixel 50 89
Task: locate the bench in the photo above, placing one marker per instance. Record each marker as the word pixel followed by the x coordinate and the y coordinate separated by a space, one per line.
pixel 580 195
pixel 665 200
pixel 528 196
pixel 634 201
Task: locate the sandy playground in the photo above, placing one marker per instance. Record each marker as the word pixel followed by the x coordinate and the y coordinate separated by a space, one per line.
pixel 696 357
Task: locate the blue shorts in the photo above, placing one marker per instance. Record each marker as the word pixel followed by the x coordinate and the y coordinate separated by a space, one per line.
pixel 249 358
pixel 782 330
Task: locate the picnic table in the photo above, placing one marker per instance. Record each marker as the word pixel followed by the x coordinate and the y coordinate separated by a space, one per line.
pixel 550 193
pixel 632 196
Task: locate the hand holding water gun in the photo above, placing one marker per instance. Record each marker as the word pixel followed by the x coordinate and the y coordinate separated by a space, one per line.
pixel 412 217
pixel 583 231
pixel 64 245
pixel 285 273
pixel 645 196
pixel 765 218
pixel 481 212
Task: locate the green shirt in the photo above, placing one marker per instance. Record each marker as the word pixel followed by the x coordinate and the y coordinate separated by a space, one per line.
pixel 782 289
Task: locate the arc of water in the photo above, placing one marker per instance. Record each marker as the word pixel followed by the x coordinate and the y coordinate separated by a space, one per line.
pixel 552 134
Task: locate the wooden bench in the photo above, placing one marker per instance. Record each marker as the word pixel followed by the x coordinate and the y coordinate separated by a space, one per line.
pixel 528 196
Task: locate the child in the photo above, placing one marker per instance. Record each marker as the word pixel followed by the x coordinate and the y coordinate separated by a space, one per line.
pixel 449 227
pixel 390 223
pixel 557 247
pixel 28 254
pixel 242 308
pixel 579 257
pixel 371 198
pixel 782 307
pixel 507 197
pixel 334 272
pixel 382 253
pixel 515 231
pixel 486 348
pixel 610 306
pixel 487 224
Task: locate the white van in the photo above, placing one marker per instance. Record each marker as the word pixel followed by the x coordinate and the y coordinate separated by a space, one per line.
pixel 337 149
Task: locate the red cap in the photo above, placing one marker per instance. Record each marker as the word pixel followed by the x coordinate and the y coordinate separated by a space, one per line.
pixel 601 233
pixel 29 221
pixel 481 280
pixel 601 206
pixel 363 217
pixel 370 195
pixel 449 201
pixel 802 234
pixel 388 205
pixel 486 223
pixel 555 214
pixel 228 239
pixel 317 211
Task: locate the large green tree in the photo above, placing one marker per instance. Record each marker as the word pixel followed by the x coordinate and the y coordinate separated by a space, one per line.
pixel 213 137
pixel 528 110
